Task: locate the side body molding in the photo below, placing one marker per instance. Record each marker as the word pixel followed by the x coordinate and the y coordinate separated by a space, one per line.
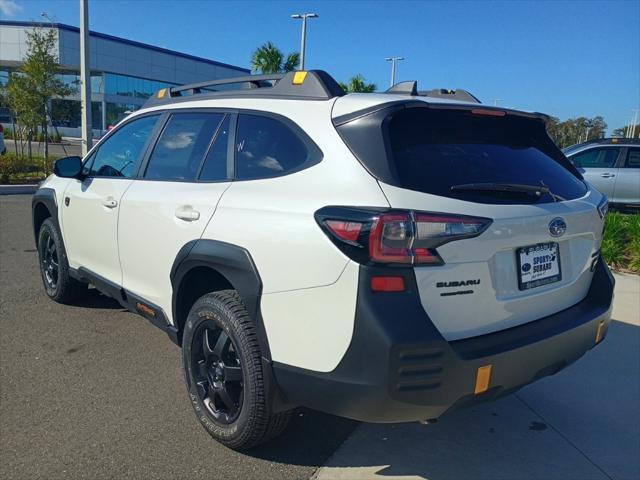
pixel 235 264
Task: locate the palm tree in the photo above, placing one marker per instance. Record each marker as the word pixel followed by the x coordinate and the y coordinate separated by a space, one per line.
pixel 270 59
pixel 358 84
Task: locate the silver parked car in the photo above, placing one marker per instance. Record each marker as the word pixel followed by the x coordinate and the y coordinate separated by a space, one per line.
pixel 612 165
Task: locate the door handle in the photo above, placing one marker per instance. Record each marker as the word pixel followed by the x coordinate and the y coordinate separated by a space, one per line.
pixel 187 214
pixel 607 175
pixel 110 203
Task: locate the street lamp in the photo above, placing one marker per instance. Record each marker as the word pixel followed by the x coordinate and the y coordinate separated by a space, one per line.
pixel 85 75
pixel 393 61
pixel 303 17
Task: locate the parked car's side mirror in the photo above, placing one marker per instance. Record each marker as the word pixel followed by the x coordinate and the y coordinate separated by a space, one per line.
pixel 68 167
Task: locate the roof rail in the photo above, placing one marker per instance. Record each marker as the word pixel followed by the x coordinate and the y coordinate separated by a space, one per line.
pixel 411 88
pixel 308 84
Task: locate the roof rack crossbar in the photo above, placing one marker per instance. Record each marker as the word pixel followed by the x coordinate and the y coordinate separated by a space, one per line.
pixel 255 81
pixel 304 85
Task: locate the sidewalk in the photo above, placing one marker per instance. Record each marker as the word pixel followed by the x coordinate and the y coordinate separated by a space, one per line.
pixel 581 424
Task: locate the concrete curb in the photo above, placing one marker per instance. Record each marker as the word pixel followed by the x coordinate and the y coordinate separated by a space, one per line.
pixel 18 189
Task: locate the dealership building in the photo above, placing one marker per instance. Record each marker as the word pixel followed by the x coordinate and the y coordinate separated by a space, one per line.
pixel 124 73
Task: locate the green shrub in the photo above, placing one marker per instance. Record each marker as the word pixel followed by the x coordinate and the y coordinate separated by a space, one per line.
pixel 19 169
pixel 54 137
pixel 621 243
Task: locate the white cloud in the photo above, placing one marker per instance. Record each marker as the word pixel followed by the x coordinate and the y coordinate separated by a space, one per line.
pixel 9 7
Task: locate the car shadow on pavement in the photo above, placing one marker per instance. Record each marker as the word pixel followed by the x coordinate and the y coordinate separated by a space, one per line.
pixel 97 300
pixel 308 441
pixel 582 423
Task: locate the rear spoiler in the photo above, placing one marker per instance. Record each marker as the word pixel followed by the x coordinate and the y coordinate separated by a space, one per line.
pixel 400 104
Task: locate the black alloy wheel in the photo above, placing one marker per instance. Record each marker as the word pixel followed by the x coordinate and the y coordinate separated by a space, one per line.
pixel 50 260
pixel 217 372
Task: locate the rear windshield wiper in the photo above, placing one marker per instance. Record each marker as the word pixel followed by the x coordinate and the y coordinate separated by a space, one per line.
pixel 537 190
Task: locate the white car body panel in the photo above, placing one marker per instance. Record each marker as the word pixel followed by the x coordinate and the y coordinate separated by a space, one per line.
pixel 91 227
pixel 150 235
pixel 497 303
pixel 314 338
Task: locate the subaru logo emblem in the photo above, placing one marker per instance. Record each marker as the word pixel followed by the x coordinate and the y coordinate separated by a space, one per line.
pixel 557 227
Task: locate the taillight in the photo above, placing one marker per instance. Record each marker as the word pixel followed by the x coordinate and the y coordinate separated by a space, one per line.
pixel 391 238
pixel 396 237
pixel 347 231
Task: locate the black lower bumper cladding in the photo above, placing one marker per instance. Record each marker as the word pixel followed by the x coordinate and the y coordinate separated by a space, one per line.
pixel 399 367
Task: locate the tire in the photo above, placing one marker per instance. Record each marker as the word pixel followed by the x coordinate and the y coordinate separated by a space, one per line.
pixel 223 371
pixel 54 267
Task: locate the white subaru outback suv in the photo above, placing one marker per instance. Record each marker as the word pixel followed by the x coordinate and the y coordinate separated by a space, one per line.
pixel 384 257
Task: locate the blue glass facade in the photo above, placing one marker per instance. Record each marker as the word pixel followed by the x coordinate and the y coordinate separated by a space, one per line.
pixel 66 112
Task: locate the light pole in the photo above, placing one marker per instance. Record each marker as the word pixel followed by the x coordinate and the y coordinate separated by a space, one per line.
pixel 393 61
pixel 303 17
pixel 85 76
pixel 45 133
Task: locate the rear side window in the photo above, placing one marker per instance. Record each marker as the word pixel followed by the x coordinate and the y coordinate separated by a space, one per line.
pixel 267 147
pixel 445 151
pixel 633 158
pixel 182 146
pixel 597 158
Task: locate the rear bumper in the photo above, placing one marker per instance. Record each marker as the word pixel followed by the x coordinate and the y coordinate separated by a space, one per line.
pixel 399 368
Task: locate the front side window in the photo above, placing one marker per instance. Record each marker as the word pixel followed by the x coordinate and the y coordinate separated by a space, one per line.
pixel 597 158
pixel 266 147
pixel 633 158
pixel 182 146
pixel 121 153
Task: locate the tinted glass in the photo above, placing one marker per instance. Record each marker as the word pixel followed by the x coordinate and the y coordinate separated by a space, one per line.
pixel 432 151
pixel 633 158
pixel 120 154
pixel 596 158
pixel 182 146
pixel 215 166
pixel 266 147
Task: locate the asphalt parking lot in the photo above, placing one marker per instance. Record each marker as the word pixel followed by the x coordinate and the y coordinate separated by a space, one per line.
pixel 92 391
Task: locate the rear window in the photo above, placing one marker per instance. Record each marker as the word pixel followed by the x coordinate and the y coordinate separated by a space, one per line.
pixel 433 150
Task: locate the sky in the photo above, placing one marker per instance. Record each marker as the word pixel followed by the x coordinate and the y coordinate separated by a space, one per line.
pixel 564 58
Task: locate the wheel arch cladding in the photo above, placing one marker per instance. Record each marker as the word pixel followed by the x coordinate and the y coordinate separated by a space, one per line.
pixel 43 206
pixel 212 265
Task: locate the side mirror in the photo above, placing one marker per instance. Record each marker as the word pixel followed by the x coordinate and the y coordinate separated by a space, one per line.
pixel 68 167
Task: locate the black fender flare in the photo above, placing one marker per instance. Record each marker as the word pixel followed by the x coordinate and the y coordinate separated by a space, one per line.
pixel 46 197
pixel 235 264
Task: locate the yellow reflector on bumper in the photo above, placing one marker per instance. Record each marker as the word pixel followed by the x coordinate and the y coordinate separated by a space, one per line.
pixel 483 378
pixel 298 78
pixel 600 331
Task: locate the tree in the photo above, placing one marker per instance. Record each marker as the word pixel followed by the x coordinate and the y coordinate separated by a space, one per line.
pixel 575 130
pixel 31 89
pixel 358 84
pixel 270 59
pixel 626 131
